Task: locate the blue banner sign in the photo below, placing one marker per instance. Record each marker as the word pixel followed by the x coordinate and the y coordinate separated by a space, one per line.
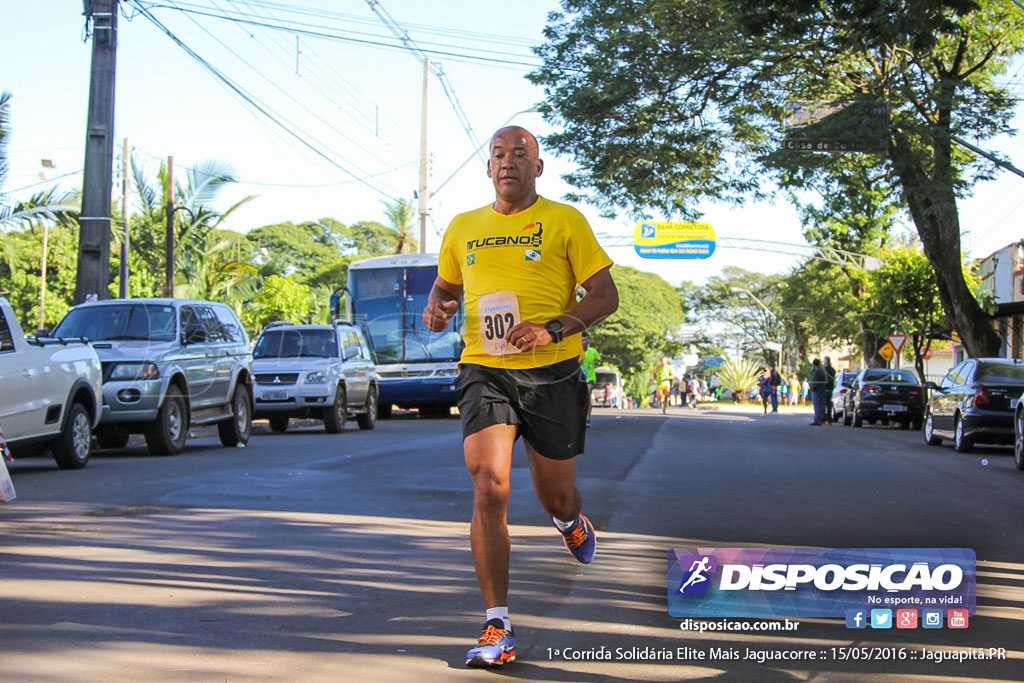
pixel 674 240
pixel 818 582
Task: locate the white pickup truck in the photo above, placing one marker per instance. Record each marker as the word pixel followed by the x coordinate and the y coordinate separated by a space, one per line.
pixel 50 392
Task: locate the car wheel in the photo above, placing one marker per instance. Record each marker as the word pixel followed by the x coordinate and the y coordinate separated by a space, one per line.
pixel 961 442
pixel 858 419
pixel 384 411
pixel 334 417
pixel 167 434
pixel 278 425
pixel 72 448
pixel 929 432
pixel 235 430
pixel 368 420
pixel 112 437
pixel 1018 440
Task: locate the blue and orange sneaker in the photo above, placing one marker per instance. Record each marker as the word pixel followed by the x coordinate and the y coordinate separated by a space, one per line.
pixel 496 646
pixel 581 540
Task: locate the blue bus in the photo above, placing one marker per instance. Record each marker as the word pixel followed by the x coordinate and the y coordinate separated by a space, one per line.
pixel 416 367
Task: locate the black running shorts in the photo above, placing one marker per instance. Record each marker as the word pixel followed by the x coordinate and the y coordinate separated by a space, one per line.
pixel 547 404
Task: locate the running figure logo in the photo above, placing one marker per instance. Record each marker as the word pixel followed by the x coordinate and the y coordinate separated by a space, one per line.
pixel 698 567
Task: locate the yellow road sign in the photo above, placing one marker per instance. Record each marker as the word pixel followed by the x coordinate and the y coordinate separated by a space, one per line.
pixel 887 352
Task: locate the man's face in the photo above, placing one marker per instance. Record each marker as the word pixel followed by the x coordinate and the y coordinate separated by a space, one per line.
pixel 585 340
pixel 514 164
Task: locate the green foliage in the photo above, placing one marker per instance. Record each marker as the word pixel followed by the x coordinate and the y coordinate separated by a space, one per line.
pixel 663 104
pixel 905 298
pixel 635 337
pixel 297 251
pixel 402 217
pixel 279 299
pixel 740 376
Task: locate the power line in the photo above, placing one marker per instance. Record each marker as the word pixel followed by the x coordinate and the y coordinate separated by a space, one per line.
pixel 334 81
pixel 334 36
pixel 247 98
pixel 289 95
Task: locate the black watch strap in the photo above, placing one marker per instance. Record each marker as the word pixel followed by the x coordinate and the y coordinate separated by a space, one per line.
pixel 555 329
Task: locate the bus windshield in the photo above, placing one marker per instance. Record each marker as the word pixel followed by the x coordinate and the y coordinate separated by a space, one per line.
pixel 391 301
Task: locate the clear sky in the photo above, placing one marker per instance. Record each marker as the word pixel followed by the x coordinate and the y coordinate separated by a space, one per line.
pixel 356 103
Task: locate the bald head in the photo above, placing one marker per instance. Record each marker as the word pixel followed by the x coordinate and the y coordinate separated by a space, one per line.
pixel 519 132
pixel 513 167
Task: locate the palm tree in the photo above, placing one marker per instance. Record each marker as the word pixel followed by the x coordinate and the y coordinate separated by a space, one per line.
pixel 401 216
pixel 211 274
pixel 45 205
pixel 193 224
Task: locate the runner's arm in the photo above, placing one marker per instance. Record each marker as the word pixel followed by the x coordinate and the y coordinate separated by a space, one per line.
pixel 441 304
pixel 600 301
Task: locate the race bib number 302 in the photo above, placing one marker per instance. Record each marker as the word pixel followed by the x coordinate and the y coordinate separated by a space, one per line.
pixel 499 312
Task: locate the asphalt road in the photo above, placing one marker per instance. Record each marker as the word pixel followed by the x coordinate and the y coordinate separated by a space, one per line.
pixel 307 556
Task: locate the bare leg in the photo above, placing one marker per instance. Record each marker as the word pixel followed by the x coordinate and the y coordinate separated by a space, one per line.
pixel 489 459
pixel 554 482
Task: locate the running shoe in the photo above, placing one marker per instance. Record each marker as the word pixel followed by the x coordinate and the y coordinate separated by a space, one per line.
pixel 496 646
pixel 581 540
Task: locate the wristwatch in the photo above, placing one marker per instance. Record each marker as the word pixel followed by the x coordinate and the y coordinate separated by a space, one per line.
pixel 555 329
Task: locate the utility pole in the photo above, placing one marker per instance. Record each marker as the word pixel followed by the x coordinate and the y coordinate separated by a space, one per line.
pixel 92 278
pixel 423 196
pixel 169 237
pixel 123 289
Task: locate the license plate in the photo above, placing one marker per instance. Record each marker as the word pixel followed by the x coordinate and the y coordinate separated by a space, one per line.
pixel 275 395
pixel 892 408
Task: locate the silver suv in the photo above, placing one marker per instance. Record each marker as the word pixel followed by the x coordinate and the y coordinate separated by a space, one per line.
pixel 167 363
pixel 323 372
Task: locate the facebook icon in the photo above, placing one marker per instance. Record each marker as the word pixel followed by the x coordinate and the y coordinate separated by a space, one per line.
pixel 855 618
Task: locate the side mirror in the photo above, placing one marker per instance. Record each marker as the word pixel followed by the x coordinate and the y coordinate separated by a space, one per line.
pixel 195 333
pixel 931 385
pixel 351 352
pixel 42 333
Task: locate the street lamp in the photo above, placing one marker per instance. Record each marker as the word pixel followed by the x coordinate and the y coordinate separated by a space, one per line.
pixel 742 290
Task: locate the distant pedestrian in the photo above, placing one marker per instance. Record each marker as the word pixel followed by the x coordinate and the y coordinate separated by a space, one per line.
pixel 764 385
pixel 805 390
pixel 591 358
pixel 776 384
pixel 830 385
pixel 819 383
pixel 794 389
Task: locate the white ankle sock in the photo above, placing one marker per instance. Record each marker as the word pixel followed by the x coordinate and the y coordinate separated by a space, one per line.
pixel 500 613
pixel 563 526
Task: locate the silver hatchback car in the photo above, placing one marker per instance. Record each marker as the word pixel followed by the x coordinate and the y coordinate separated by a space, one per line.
pixel 167 363
pixel 324 372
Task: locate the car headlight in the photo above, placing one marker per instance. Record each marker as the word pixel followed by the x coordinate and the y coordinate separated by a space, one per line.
pixel 447 372
pixel 318 377
pixel 132 371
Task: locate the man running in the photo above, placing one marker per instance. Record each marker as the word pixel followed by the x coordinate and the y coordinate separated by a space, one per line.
pixel 591 357
pixel 663 379
pixel 518 262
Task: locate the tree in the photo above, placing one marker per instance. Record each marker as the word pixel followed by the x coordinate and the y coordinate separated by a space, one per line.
pixel 402 215
pixel 665 103
pixel 195 220
pixel 295 250
pixel 905 297
pixel 729 298
pixel 636 336
pixel 47 205
pixel 279 299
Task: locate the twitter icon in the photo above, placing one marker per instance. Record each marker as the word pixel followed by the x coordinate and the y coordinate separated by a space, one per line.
pixel 881 618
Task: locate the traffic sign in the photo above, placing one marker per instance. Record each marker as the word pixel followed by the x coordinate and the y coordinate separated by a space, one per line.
pixel 887 352
pixel 897 341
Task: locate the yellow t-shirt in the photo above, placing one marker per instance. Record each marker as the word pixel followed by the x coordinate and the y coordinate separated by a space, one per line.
pixel 540 254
